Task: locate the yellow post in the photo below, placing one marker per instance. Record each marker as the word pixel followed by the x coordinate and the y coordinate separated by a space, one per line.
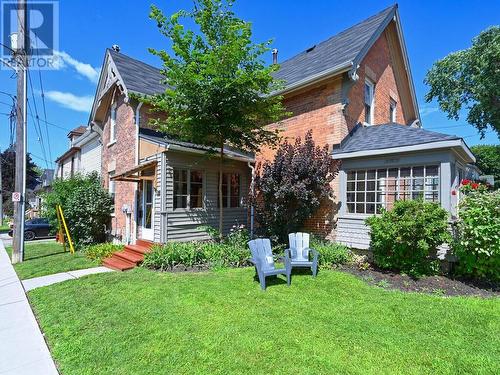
pixel 71 248
pixel 60 231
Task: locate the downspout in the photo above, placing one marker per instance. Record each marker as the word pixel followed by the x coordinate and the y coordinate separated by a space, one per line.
pixel 252 192
pixel 136 192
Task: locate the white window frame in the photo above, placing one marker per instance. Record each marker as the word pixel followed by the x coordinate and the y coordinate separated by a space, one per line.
pixel 112 125
pixel 371 86
pixel 393 105
pixel 188 191
pixel 112 189
pixel 228 191
pixel 397 192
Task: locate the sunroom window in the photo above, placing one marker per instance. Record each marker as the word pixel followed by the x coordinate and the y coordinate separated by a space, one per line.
pixel 370 190
pixel 231 186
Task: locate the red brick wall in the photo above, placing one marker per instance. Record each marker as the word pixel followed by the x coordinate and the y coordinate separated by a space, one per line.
pixel 122 154
pixel 378 67
pixel 319 108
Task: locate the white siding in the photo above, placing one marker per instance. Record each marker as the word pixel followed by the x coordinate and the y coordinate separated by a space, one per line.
pixel 91 157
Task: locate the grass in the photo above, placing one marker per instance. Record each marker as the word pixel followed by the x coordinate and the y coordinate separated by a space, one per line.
pixel 144 322
pixel 46 258
pixel 4 228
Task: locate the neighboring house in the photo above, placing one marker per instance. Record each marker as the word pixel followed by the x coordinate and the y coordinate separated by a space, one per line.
pixel 163 189
pixel 84 153
pixel 34 195
pixel 354 91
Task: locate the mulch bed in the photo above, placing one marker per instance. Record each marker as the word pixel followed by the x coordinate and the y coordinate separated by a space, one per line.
pixel 435 285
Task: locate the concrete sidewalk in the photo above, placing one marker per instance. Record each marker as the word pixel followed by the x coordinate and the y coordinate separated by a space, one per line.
pixel 37 282
pixel 23 350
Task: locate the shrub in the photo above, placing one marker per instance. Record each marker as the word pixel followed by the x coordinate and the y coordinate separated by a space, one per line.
pixel 86 205
pixel 478 229
pixel 290 189
pixel 331 253
pixel 405 237
pixel 232 251
pixel 101 251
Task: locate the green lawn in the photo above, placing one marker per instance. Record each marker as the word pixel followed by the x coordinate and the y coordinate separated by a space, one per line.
pixel 143 322
pixel 45 258
pixel 4 228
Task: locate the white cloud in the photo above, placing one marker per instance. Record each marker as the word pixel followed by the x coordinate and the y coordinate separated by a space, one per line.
pixel 71 101
pixel 84 69
pixel 427 110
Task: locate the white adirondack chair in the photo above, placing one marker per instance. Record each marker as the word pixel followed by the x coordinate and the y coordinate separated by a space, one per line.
pixel 301 255
pixel 263 260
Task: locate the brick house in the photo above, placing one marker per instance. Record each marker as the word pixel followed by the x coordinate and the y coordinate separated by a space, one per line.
pixel 353 90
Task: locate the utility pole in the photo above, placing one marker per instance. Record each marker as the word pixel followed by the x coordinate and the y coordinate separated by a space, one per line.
pixel 21 55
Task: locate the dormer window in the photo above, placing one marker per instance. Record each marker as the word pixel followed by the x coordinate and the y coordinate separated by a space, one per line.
pixel 112 124
pixel 369 101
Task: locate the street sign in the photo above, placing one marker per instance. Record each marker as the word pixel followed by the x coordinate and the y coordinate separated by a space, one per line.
pixel 16 196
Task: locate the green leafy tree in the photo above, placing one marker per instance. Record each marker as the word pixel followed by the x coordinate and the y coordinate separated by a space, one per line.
pixel 488 160
pixel 8 160
pixel 86 205
pixel 218 86
pixel 470 79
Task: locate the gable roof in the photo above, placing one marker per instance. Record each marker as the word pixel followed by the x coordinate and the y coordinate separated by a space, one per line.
pixel 79 130
pixel 343 50
pixel 138 76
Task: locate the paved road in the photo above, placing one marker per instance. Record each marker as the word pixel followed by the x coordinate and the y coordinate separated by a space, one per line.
pixel 23 350
pixel 7 240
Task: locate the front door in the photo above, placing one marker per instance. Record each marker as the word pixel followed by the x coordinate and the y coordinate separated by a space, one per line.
pixel 148 214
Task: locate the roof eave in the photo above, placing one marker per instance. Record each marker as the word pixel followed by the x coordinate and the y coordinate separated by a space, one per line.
pixel 176 147
pixel 458 144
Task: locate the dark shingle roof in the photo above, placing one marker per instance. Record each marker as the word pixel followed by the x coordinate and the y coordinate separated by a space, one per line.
pixel 138 76
pixel 376 137
pixel 79 130
pixel 338 50
pixel 163 138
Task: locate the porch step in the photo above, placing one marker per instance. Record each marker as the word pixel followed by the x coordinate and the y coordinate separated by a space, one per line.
pixel 118 264
pixel 141 250
pixel 144 243
pixel 129 257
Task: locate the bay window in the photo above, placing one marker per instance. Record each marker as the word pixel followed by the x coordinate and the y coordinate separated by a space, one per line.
pixel 370 190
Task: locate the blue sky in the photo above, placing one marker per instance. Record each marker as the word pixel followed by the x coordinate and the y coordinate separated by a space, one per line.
pixel 432 29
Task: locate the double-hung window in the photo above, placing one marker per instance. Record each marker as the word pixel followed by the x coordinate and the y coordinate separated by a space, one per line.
pixel 369 101
pixel 188 188
pixel 368 191
pixel 231 190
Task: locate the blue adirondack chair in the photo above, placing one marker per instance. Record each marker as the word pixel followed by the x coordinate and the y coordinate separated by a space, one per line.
pixel 263 260
pixel 301 255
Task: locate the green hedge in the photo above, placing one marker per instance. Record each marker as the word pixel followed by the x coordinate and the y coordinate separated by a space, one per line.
pixel 405 238
pixel 478 243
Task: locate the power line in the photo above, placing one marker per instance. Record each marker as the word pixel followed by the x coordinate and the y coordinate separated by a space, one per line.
pixel 37 130
pixel 44 111
pixel 37 123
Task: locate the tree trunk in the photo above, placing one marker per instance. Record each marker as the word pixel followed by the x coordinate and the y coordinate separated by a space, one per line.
pixel 221 209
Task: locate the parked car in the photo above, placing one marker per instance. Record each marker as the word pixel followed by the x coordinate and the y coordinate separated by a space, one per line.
pixel 35 228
